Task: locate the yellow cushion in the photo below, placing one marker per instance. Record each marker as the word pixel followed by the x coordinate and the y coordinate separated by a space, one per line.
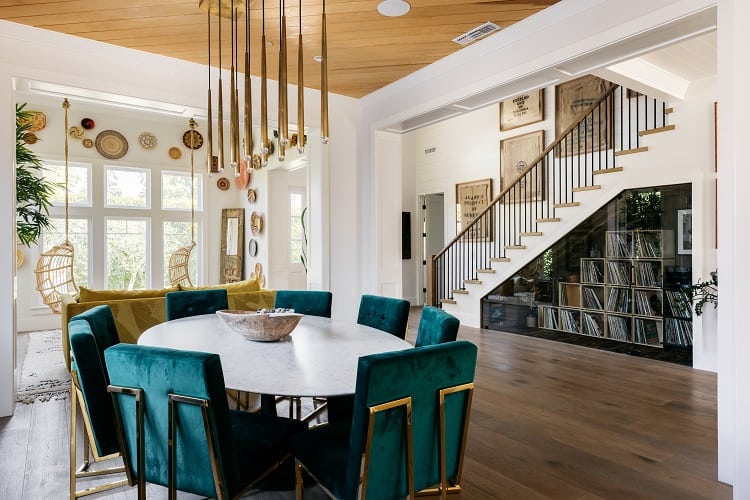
pixel 250 285
pixel 88 295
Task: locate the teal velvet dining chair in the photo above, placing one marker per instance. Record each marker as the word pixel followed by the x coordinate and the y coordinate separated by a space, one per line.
pixel 309 302
pixel 384 313
pixel 409 429
pixel 194 302
pixel 90 333
pixel 436 327
pixel 178 430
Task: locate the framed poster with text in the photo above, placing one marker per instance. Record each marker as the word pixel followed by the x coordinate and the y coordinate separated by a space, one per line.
pixel 522 109
pixel 471 199
pixel 516 154
pixel 572 100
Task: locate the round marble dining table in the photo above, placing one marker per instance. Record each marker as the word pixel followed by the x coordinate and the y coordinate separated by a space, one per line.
pixel 319 357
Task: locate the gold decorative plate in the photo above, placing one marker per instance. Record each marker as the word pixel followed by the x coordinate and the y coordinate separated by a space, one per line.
pixel 197 139
pixel 223 183
pixel 76 132
pixel 87 143
pixel 37 119
pixel 252 195
pixel 175 153
pixel 256 223
pixel 256 162
pixel 30 138
pixel 147 140
pixel 111 144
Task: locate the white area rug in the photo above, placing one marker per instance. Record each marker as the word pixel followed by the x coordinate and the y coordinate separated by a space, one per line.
pixel 43 373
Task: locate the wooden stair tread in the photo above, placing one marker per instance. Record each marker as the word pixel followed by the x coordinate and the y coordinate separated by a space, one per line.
pixel 642 149
pixel 657 130
pixel 460 291
pixel 515 247
pixel 549 219
pixel 499 259
pixel 472 282
pixel 586 188
pixel 669 111
pixel 447 301
pixel 568 205
pixel 486 271
pixel 607 170
pixel 532 233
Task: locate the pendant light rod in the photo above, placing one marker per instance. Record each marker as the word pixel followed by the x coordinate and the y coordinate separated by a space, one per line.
pixel 263 90
pixel 210 125
pixel 282 82
pixel 300 89
pixel 248 93
pixel 220 105
pixel 232 135
pixel 324 133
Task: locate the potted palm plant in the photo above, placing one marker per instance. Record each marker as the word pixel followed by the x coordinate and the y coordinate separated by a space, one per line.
pixel 33 192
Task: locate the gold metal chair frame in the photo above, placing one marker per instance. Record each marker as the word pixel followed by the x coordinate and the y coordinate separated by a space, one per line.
pixel 213 445
pixel 444 488
pixel 82 471
pixel 374 410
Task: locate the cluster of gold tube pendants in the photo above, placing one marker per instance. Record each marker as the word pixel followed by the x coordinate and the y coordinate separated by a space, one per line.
pixel 241 148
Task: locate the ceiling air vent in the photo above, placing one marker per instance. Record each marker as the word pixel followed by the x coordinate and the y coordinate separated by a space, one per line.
pixel 477 33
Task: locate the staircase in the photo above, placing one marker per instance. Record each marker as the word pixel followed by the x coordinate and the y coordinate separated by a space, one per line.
pixel 581 170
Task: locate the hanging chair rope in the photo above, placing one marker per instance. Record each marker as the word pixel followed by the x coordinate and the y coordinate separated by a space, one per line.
pixel 54 269
pixel 179 269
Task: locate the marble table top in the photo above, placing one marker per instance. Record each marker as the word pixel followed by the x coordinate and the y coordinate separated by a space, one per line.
pixel 319 358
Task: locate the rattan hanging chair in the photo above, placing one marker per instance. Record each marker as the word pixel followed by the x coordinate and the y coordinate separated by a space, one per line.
pixel 179 269
pixel 54 269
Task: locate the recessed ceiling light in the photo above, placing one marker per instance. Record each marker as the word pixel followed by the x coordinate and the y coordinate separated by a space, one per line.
pixel 318 58
pixel 393 8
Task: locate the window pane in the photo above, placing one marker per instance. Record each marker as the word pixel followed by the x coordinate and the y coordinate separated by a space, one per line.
pixel 78 235
pixel 79 186
pixel 177 235
pixel 127 241
pixel 295 204
pixel 175 191
pixel 127 187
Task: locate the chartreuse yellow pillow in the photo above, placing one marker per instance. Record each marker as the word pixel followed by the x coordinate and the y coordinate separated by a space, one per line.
pixel 251 285
pixel 89 295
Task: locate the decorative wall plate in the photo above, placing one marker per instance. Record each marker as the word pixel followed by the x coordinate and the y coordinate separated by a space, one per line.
pixel 252 248
pixel 251 195
pixel 111 144
pixel 30 138
pixel 87 123
pixel 147 140
pixel 37 119
pixel 197 139
pixel 256 162
pixel 256 223
pixel 175 153
pixel 76 132
pixel 223 183
pixel 87 143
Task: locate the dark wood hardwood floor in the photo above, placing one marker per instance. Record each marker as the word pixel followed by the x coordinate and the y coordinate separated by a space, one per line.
pixel 549 420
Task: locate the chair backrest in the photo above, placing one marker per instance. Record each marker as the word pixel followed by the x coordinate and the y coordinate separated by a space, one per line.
pixel 310 302
pixel 419 373
pixel 160 372
pixel 436 327
pixel 384 313
pixel 195 302
pixel 90 333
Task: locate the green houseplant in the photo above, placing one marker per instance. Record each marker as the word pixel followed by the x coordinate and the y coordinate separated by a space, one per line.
pixel 705 292
pixel 33 192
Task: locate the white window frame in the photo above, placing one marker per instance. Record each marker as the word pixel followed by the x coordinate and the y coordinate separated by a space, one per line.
pixel 147 171
pixel 89 183
pixel 149 257
pixel 198 190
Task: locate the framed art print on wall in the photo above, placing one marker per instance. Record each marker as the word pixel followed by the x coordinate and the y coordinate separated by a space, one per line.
pixel 685 232
pixel 471 199
pixel 522 109
pixel 572 99
pixel 516 154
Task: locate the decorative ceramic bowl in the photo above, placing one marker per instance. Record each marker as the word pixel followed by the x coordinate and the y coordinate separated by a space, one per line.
pixel 260 326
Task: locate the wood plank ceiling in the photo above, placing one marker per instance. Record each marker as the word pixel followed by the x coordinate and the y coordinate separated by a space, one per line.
pixel 366 50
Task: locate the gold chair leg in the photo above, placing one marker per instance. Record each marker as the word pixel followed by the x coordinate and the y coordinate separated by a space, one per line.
pixel 299 486
pixel 73 404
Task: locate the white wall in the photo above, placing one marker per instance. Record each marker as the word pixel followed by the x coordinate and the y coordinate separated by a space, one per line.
pixel 45 56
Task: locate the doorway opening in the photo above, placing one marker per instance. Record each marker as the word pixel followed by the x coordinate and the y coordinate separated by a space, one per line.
pixel 433 233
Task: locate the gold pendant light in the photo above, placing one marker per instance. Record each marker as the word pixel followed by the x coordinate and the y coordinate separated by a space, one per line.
pixel 210 124
pixel 263 91
pixel 282 108
pixel 248 153
pixel 324 82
